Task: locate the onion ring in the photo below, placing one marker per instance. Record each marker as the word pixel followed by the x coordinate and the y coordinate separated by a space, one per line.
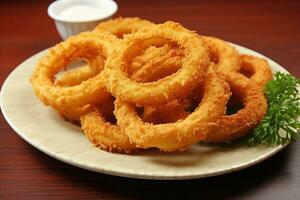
pixel 258 68
pixel 225 57
pixel 229 127
pixel 90 46
pixel 171 87
pixel 103 134
pixel 177 135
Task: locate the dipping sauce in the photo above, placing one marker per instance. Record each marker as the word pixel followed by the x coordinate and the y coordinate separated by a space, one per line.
pixel 82 12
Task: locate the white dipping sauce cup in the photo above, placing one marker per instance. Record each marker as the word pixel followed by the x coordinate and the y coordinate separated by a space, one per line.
pixel 66 26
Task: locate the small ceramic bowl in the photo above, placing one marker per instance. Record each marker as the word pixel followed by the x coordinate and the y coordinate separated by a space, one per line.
pixel 74 16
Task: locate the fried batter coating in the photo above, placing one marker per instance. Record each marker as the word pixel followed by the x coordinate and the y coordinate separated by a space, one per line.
pixel 258 68
pixel 150 85
pixel 105 135
pixel 171 87
pixel 78 75
pixel 90 46
pixel 168 113
pixel 178 135
pixel 156 63
pixel 122 26
pixel 229 127
pixel 225 57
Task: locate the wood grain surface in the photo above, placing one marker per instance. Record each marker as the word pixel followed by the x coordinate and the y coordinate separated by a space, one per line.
pixel 269 27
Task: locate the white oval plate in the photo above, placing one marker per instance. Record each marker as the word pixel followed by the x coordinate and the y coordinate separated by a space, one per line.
pixel 44 129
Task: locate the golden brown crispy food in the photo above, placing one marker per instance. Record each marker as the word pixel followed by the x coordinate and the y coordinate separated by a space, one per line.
pixel 155 63
pixel 229 127
pixel 168 113
pixel 178 135
pixel 90 46
pixel 174 110
pixel 225 57
pixel 171 87
pixel 77 75
pixel 104 134
pixel 258 69
pixel 122 26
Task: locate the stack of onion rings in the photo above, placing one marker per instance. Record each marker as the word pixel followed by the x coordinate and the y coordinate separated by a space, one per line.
pixel 150 85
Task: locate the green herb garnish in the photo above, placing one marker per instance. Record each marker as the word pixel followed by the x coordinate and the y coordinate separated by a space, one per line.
pixel 281 124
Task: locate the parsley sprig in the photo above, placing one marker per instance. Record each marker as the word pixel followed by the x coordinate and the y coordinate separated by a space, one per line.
pixel 281 124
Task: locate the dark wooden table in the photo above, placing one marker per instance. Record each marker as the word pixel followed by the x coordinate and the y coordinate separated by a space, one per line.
pixel 270 28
